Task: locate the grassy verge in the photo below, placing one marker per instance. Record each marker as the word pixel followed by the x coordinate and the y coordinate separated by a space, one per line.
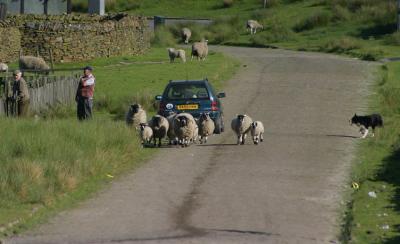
pixel 377 169
pixel 51 163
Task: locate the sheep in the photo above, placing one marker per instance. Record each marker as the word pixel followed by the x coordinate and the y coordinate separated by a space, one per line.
pixel 160 126
pixel 3 67
pixel 135 116
pixel 253 25
pixel 179 53
pixel 257 132
pixel 200 50
pixel 33 63
pixel 171 133
pixel 146 133
pixel 241 126
pixel 206 127
pixel 186 34
pixel 185 128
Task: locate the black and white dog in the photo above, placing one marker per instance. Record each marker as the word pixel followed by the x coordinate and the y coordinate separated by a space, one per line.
pixel 364 122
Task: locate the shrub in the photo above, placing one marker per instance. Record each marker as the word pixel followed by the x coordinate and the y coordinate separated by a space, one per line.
pixel 342 45
pixel 316 20
pixel 162 37
pixel 393 39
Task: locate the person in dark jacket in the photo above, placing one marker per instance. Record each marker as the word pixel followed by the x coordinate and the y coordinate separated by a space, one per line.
pixel 20 96
pixel 84 94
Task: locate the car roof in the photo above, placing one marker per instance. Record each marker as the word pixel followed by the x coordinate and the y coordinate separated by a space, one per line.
pixel 188 81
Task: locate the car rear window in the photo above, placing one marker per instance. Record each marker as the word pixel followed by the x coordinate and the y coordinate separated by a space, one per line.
pixel 187 91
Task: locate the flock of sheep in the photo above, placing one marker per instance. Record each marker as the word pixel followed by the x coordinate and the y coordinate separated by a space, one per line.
pixel 184 129
pixel 28 63
pixel 200 49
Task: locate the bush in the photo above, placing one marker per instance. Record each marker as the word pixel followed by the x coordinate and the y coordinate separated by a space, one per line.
pixel 341 45
pixel 393 39
pixel 318 19
pixel 162 37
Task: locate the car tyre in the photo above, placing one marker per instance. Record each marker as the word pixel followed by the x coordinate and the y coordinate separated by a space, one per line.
pixel 219 125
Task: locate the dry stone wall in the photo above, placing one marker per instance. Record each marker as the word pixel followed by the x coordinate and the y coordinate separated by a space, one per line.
pixel 80 37
pixel 10 43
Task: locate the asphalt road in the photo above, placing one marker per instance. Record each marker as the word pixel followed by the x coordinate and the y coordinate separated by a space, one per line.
pixel 285 190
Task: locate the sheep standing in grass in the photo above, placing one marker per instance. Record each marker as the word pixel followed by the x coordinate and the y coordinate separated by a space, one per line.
pixel 135 116
pixel 3 67
pixel 173 53
pixel 160 126
pixel 171 133
pixel 253 25
pixel 185 128
pixel 200 50
pixel 257 132
pixel 206 127
pixel 186 34
pixel 241 126
pixel 146 133
pixel 33 63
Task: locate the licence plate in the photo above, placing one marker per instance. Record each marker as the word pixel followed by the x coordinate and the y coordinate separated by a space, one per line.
pixel 187 107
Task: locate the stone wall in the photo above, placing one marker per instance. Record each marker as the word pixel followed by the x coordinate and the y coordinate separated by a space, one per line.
pixel 10 43
pixel 80 37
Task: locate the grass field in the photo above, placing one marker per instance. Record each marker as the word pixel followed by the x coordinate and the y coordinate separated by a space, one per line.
pixel 51 163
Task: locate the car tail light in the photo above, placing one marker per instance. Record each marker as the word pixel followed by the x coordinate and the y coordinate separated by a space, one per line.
pixel 214 106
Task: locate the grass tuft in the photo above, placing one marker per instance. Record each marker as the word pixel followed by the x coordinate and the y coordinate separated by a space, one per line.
pixel 317 19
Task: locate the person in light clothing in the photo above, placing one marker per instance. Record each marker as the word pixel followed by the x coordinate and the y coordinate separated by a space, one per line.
pixel 84 94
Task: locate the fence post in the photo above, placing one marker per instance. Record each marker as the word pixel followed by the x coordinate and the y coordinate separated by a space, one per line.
pixel 51 60
pixel 3 11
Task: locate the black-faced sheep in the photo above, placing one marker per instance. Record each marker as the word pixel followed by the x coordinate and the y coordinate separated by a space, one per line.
pixel 253 25
pixel 146 133
pixel 135 116
pixel 176 53
pixel 186 34
pixel 206 127
pixel 3 67
pixel 241 126
pixel 257 132
pixel 33 63
pixel 160 126
pixel 185 128
pixel 200 50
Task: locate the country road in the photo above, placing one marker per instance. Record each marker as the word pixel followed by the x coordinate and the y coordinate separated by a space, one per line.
pixel 286 190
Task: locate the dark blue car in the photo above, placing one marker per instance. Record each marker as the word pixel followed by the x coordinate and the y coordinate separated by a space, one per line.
pixel 194 97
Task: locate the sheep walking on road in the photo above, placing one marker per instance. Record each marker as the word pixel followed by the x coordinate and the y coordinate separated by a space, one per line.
pixel 200 50
pixel 3 67
pixel 135 116
pixel 253 25
pixel 185 128
pixel 206 127
pixel 257 132
pixel 160 126
pixel 186 34
pixel 176 53
pixel 33 63
pixel 241 126
pixel 146 134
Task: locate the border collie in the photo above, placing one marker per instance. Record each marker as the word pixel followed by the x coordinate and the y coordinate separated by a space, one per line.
pixel 364 122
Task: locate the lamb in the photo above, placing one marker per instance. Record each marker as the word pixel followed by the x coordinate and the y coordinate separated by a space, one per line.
pixel 3 67
pixel 173 53
pixel 185 128
pixel 241 126
pixel 135 116
pixel 171 133
pixel 257 132
pixel 200 50
pixel 33 63
pixel 206 127
pixel 160 126
pixel 253 25
pixel 186 34
pixel 146 133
